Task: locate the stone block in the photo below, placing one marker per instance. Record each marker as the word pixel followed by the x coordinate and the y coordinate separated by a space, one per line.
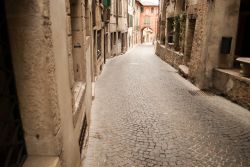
pixel 42 161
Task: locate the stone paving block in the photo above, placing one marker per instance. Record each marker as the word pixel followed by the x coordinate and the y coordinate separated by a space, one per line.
pixel 145 115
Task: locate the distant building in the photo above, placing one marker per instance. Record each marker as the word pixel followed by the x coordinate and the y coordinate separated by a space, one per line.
pixel 137 22
pixel 148 21
pixel 117 28
pixel 131 17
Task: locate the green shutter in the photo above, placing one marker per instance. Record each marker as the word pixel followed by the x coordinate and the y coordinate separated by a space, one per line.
pixel 106 3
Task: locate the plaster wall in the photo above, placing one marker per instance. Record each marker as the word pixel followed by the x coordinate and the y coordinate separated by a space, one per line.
pixel 70 149
pixel 34 64
pixel 224 24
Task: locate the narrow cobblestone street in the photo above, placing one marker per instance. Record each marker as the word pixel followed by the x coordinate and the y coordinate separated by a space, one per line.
pixel 145 114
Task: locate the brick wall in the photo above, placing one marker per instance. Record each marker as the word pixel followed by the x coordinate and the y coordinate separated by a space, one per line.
pixel 196 65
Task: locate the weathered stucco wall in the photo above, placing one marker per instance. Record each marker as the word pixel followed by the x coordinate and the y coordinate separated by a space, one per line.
pixel 42 58
pixel 224 23
pixel 34 66
pixel 70 149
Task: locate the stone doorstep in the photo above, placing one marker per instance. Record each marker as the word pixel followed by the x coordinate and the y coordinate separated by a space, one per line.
pixel 184 70
pixel 245 65
pixel 42 161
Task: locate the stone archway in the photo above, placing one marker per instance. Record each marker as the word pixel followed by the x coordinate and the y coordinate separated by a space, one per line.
pixel 147 35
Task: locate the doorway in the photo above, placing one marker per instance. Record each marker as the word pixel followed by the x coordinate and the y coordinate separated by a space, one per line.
pixel 12 144
pixel 190 38
pixel 243 35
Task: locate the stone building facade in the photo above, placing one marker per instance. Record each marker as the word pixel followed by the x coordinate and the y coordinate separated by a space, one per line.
pixel 134 22
pixel 137 22
pixel 204 39
pixel 51 54
pixel 131 18
pixel 98 36
pixel 117 28
pixel 148 21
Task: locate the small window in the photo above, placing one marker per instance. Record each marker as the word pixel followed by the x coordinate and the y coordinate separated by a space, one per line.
pixel 142 9
pixel 99 44
pixel 130 24
pixel 183 5
pixel 170 30
pixel 87 20
pixel 152 10
pixel 147 21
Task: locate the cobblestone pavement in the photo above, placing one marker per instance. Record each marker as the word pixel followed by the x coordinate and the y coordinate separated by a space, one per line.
pixel 145 114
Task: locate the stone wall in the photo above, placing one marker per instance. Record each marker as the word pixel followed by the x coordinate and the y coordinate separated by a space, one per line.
pixel 174 58
pixel 160 50
pixel 170 56
pixel 118 24
pixel 197 64
pixel 52 113
pixel 215 19
pixel 233 86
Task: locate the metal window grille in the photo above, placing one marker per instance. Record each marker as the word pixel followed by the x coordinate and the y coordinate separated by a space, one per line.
pixel 82 135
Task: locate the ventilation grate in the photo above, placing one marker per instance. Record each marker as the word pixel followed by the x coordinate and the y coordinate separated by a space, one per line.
pixel 201 93
pixel 83 133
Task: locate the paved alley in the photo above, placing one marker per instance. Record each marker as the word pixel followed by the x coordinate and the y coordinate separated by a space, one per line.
pixel 145 114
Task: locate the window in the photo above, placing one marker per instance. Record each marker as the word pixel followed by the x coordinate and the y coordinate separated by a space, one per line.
pixel 147 21
pixel 119 36
pixel 120 8
pixel 99 44
pixel 130 18
pixel 190 37
pixel 183 5
pixel 113 7
pixel 87 20
pixel 152 10
pixel 170 30
pixel 142 9
pixel 114 38
pixel 111 40
pixel 94 13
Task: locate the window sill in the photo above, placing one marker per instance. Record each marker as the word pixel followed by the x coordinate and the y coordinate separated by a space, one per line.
pixel 78 93
pixel 175 52
pixel 41 161
pixel 235 73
